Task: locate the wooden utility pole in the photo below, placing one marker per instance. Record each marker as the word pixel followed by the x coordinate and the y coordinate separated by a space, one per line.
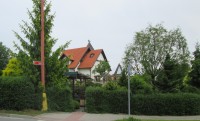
pixel 44 101
pixel 42 44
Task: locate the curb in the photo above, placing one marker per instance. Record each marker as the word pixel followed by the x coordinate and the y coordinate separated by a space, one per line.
pixel 16 115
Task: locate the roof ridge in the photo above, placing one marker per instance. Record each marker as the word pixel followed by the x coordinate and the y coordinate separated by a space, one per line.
pixel 77 48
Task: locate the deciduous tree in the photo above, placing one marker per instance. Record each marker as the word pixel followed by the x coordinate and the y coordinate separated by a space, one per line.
pixel 150 46
pixel 102 68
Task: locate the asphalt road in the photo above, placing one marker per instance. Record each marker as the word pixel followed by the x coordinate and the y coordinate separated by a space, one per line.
pixel 2 118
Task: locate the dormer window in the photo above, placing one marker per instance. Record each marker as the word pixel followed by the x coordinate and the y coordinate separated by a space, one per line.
pixel 91 55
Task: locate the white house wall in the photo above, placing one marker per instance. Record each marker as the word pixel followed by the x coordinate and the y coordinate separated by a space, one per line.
pixel 85 71
pixel 89 72
pixel 71 70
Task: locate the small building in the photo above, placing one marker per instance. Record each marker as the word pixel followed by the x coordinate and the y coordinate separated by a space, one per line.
pixel 118 73
pixel 83 60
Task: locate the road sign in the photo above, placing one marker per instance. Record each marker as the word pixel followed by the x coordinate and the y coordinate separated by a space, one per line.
pixel 37 63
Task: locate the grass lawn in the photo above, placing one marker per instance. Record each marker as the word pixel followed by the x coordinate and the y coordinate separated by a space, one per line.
pixel 132 119
pixel 25 112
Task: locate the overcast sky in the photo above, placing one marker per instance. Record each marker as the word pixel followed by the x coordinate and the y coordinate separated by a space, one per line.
pixel 108 24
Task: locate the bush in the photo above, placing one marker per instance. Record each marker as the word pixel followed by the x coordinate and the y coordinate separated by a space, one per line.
pixel 17 93
pixel 94 99
pixel 100 100
pixel 190 89
pixel 111 85
pixel 59 98
pixel 76 104
pixel 166 104
pixel 138 85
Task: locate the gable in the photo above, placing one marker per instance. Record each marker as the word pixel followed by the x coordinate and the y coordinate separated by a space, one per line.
pixel 75 55
pixel 90 59
pixel 118 71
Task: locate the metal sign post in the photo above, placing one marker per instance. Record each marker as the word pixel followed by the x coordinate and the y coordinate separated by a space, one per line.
pixel 129 92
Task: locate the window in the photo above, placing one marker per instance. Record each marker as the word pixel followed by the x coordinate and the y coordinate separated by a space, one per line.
pixel 91 55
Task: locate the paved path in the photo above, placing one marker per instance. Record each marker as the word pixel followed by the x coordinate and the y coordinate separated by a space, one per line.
pixel 82 116
pixel 16 118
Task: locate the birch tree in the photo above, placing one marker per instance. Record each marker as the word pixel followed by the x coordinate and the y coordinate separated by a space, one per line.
pixel 150 46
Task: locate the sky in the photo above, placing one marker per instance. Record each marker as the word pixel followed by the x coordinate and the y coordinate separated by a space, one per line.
pixel 109 24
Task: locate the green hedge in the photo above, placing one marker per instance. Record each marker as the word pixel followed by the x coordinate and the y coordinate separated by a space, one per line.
pixel 59 98
pixel 166 104
pixel 16 93
pixel 99 100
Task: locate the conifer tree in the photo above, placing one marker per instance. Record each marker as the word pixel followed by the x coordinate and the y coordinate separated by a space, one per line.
pixel 171 76
pixel 195 73
pixel 12 68
pixel 4 57
pixel 29 48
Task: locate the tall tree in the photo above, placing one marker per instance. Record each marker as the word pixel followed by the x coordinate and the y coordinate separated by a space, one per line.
pixel 150 46
pixel 29 50
pixel 195 73
pixel 170 79
pixel 4 57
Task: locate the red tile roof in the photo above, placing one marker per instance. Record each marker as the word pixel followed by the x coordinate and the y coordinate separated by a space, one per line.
pixel 75 55
pixel 86 56
pixel 90 59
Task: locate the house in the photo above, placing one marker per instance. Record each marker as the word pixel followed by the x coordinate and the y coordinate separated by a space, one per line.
pixel 83 60
pixel 118 73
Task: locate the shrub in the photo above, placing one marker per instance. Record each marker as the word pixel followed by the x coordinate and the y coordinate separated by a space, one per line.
pixel 76 104
pixel 100 100
pixel 94 99
pixel 59 98
pixel 166 104
pixel 111 85
pixel 138 85
pixel 17 93
pixel 190 89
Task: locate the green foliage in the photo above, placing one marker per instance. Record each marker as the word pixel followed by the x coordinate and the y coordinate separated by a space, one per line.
pixel 12 68
pixel 190 89
pixel 139 85
pixel 95 99
pixel 100 100
pixel 115 101
pixel 90 83
pixel 29 50
pixel 150 47
pixel 195 73
pixel 102 68
pixel 17 93
pixel 172 75
pixel 76 104
pixel 123 80
pixel 130 119
pixel 166 104
pixel 111 85
pixel 59 98
pixel 4 57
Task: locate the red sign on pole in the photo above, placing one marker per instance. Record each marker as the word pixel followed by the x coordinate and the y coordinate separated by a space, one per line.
pixel 37 63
